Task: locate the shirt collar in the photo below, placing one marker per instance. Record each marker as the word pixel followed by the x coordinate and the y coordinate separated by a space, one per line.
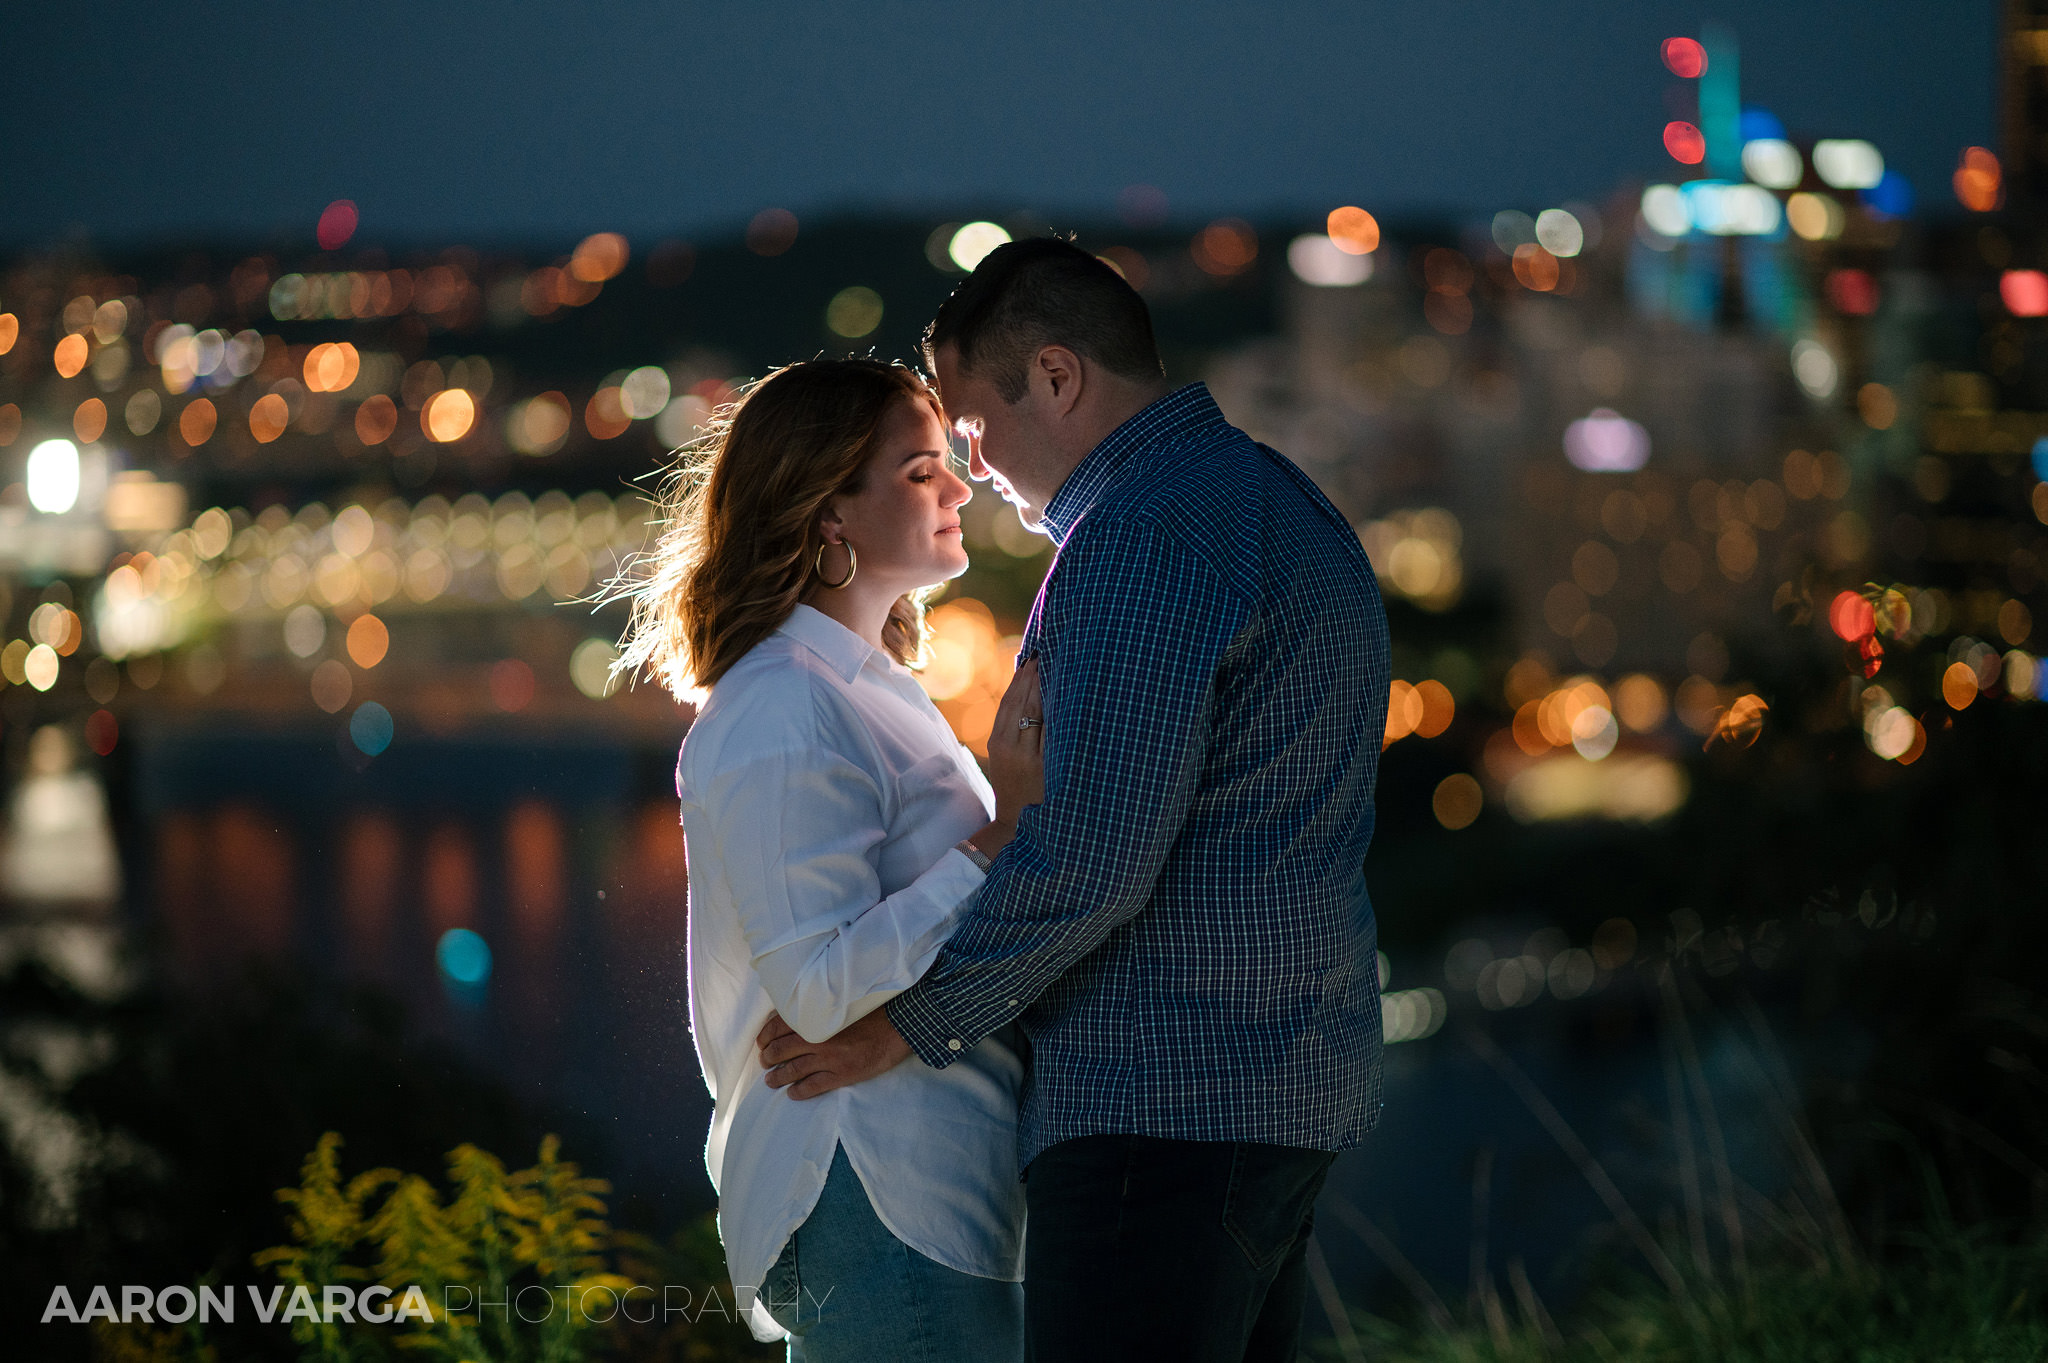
pixel 1180 411
pixel 839 647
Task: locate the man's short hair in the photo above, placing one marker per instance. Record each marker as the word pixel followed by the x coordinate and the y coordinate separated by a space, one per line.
pixel 1041 291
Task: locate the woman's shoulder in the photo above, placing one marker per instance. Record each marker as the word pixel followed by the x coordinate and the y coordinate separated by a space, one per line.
pixel 775 698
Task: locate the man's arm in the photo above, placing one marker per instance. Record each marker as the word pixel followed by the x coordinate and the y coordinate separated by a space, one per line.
pixel 1140 623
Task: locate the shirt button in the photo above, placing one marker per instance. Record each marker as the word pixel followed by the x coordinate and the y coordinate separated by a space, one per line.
pixel 954 1044
pixel 1014 1003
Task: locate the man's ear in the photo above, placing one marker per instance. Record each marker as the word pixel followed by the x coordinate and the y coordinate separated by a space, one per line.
pixel 1057 372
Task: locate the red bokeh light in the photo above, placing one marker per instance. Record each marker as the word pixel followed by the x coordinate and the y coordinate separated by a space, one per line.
pixel 2025 292
pixel 102 731
pixel 337 224
pixel 1685 57
pixel 1852 617
pixel 511 685
pixel 1685 142
pixel 1853 292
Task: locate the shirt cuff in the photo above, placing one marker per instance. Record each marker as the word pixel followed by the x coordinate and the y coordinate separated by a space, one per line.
pixel 937 1042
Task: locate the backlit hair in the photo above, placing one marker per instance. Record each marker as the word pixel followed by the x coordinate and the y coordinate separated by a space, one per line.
pixel 739 510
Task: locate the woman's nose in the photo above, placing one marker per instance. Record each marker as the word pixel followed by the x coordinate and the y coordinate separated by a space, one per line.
pixel 964 493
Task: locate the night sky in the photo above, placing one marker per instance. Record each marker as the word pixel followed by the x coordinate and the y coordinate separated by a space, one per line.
pixel 516 121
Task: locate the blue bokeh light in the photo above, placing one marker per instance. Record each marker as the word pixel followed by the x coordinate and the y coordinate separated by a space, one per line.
pixel 1761 123
pixel 463 956
pixel 1891 196
pixel 370 728
pixel 2041 458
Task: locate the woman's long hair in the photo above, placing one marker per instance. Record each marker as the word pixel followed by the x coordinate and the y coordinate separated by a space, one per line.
pixel 739 513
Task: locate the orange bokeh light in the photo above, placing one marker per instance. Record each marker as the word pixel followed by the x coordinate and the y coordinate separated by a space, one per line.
pixel 197 421
pixel 332 366
pixel 1959 685
pixel 368 641
pixel 70 356
pixel 1536 268
pixel 1354 230
pixel 1226 247
pixel 1978 180
pixel 598 257
pixel 1405 711
pixel 268 418
pixel 605 416
pixel 1438 708
pixel 376 420
pixel 10 328
pixel 448 415
pixel 89 422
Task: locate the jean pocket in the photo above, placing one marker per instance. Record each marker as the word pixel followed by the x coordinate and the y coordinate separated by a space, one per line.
pixel 1272 1189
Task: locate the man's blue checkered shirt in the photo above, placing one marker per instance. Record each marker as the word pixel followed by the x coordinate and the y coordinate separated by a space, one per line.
pixel 1183 925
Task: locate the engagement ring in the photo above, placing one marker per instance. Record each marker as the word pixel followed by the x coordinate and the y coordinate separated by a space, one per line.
pixel 1027 722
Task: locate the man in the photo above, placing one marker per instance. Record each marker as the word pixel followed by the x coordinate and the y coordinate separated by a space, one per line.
pixel 1182 926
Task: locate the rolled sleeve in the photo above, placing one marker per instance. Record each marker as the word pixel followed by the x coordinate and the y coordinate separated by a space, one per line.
pixel 1135 626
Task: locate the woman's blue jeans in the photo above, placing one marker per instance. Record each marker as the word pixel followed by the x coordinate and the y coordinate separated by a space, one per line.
pixel 850 1292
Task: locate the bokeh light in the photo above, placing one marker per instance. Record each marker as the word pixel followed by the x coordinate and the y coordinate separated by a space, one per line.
pixel 337 224
pixel 2024 292
pixel 771 232
pixel 1604 441
pixel 598 257
pixel 1225 247
pixel 1684 57
pixel 1560 233
pixel 1848 163
pixel 1685 142
pixel 972 242
pixel 1979 180
pixel 370 728
pixel 196 422
pixel 1353 230
pixel 854 312
pixel 463 957
pixel 53 476
pixel 448 415
pixel 1457 801
pixel 268 418
pixel 70 356
pixel 369 639
pixel 590 668
pixel 89 421
pixel 1773 163
pixel 540 424
pixel 331 367
pixel 376 419
pixel 1321 261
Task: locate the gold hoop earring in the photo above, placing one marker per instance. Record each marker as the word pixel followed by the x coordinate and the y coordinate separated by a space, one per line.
pixel 852 566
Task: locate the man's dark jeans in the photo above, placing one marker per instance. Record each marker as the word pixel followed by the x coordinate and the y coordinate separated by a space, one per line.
pixel 1140 1247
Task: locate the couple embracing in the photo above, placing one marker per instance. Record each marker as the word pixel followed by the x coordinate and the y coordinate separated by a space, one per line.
pixel 1122 989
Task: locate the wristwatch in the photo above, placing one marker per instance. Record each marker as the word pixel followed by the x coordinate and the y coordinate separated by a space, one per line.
pixel 975 855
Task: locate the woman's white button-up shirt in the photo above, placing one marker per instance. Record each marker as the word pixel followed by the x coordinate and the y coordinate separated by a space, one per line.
pixel 822 793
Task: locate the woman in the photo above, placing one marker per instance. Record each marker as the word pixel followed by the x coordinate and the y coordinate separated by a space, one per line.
pixel 834 828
